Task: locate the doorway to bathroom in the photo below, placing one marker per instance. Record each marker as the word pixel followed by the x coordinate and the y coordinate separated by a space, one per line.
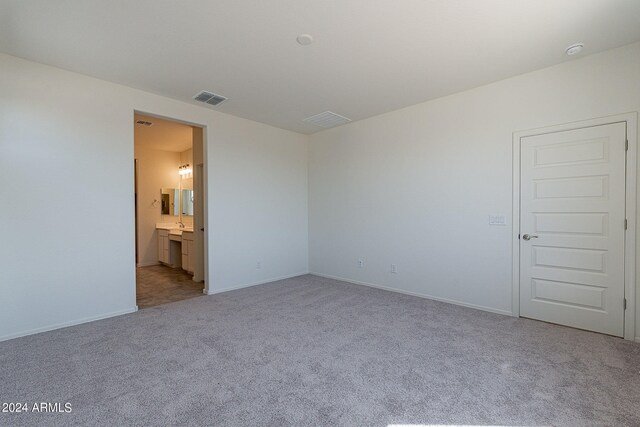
pixel 169 209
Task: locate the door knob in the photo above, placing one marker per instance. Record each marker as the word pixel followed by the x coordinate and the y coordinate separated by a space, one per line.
pixel 529 237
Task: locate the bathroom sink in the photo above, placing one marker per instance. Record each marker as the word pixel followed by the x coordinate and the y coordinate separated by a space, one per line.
pixel 179 231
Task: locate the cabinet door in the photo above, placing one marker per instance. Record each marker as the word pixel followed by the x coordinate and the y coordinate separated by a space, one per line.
pixel 163 246
pixel 190 250
pixel 160 248
pixel 165 243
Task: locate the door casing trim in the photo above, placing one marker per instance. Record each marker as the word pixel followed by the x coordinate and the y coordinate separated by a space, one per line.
pixel 631 120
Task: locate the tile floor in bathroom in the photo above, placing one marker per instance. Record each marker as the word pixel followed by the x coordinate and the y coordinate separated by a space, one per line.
pixel 159 284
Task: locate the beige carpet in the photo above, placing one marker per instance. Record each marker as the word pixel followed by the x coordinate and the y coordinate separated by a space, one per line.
pixel 310 351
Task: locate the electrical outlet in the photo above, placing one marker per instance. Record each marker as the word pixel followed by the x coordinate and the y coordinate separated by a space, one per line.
pixel 394 268
pixel 258 265
pixel 360 263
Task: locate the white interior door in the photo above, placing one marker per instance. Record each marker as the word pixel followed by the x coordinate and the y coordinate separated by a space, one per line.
pixel 572 207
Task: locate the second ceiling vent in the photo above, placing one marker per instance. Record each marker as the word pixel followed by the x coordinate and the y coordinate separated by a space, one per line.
pixel 328 119
pixel 209 98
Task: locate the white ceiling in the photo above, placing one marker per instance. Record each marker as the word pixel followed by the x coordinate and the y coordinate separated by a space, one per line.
pixel 162 135
pixel 368 57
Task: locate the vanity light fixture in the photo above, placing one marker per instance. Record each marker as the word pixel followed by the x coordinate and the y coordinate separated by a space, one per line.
pixel 184 169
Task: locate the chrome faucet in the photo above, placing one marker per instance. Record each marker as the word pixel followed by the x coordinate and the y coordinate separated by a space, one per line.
pixel 181 224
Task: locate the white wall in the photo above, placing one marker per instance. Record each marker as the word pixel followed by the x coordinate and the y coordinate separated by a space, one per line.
pixel 187 157
pixel 157 169
pixel 68 256
pixel 260 178
pixel 415 187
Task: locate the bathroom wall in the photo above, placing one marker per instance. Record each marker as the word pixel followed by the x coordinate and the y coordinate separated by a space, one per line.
pixel 156 169
pixel 186 157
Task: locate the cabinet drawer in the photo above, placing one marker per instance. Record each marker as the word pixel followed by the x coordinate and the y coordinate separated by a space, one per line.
pixel 163 233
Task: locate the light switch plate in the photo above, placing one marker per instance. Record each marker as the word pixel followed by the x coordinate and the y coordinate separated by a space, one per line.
pixel 497 220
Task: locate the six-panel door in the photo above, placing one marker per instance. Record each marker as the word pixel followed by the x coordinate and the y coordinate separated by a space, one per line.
pixel 572 201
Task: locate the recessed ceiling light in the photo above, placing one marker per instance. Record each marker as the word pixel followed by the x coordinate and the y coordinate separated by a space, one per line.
pixel 574 49
pixel 304 39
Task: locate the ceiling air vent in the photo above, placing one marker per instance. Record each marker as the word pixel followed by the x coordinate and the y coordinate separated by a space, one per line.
pixel 144 123
pixel 209 98
pixel 327 120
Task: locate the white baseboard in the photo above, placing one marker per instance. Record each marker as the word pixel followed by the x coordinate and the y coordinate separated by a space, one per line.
pixel 67 324
pixel 417 294
pixel 147 264
pixel 248 285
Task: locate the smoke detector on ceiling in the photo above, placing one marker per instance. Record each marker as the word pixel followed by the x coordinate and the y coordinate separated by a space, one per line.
pixel 210 98
pixel 305 39
pixel 574 49
pixel 327 119
pixel 143 123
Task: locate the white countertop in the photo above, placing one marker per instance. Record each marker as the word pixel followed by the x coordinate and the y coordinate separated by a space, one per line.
pixel 173 228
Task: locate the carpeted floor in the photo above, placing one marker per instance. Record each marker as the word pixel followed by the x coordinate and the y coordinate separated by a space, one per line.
pixel 313 351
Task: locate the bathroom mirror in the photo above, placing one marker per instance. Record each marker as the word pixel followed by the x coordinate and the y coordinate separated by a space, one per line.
pixel 187 202
pixel 170 201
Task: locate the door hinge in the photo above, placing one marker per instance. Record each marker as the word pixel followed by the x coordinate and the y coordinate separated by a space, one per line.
pixel 625 304
pixel 626 224
pixel 626 145
pixel 518 237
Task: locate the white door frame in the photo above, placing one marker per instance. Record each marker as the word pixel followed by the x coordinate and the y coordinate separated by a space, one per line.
pixel 631 120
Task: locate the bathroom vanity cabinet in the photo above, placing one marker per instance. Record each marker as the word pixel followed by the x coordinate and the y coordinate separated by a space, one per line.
pixel 176 247
pixel 169 242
